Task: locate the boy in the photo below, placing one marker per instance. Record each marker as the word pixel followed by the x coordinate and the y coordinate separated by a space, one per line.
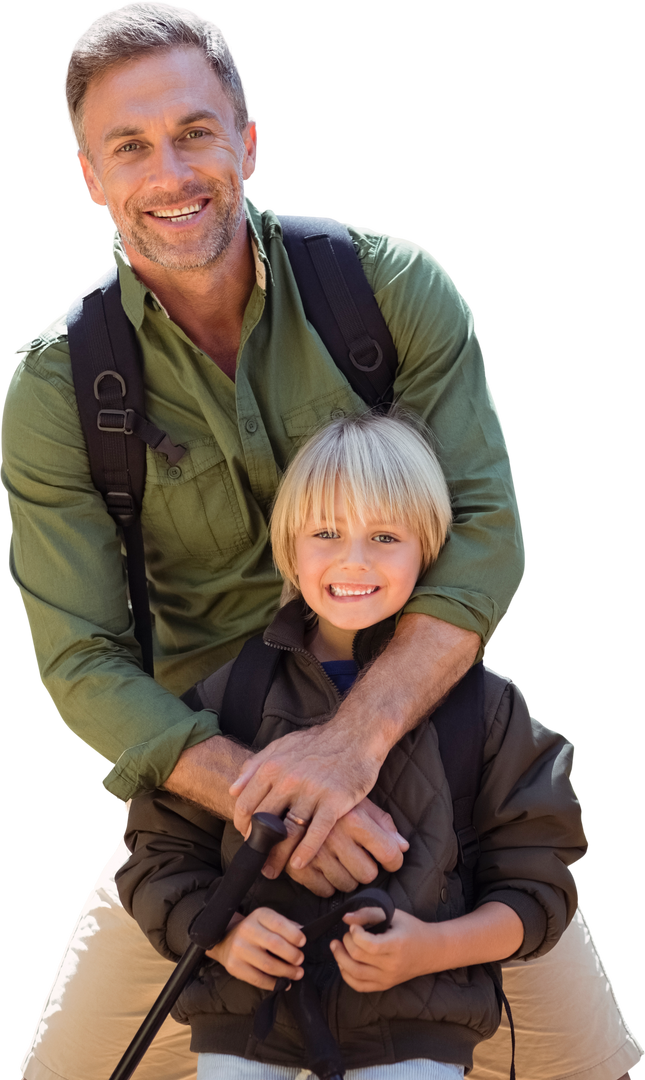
pixel 362 511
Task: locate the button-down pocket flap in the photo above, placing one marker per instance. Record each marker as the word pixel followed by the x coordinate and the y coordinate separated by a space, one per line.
pixel 201 454
pixel 305 420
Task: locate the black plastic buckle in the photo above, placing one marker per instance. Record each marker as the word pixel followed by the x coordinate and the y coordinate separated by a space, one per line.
pixel 121 507
pixel 469 849
pixel 115 428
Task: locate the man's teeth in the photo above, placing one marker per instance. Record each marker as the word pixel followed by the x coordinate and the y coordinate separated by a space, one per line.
pixel 179 215
pixel 339 590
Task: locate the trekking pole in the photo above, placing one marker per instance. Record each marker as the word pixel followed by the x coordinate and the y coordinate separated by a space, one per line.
pixel 209 927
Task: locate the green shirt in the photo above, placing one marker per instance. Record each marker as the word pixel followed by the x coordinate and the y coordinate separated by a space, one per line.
pixel 212 581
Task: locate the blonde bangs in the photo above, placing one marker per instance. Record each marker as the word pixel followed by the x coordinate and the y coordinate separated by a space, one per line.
pixel 383 466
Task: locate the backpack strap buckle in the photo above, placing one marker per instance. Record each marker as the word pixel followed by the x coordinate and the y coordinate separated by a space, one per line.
pixel 117 421
pixel 469 849
pixel 121 507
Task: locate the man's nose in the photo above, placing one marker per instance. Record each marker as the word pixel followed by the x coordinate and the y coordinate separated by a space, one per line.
pixel 168 167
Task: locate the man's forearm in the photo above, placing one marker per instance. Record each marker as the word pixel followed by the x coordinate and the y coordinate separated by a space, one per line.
pixel 205 772
pixel 419 667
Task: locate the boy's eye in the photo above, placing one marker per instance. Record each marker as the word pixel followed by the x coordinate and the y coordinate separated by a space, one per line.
pixel 385 538
pixel 327 534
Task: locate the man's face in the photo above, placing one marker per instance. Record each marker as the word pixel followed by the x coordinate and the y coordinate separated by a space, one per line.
pixel 162 139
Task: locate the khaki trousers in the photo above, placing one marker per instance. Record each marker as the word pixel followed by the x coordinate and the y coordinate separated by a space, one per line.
pixel 566 1019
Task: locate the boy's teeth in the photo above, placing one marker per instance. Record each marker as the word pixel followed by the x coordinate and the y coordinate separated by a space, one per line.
pixel 178 213
pixel 338 590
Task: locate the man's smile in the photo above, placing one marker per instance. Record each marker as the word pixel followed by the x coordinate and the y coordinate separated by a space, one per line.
pixel 178 215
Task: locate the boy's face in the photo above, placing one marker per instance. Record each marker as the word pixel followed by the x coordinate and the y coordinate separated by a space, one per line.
pixel 356 575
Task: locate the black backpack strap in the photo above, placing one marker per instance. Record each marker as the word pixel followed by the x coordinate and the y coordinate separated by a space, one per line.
pixel 340 304
pixel 249 682
pixel 461 730
pixel 108 379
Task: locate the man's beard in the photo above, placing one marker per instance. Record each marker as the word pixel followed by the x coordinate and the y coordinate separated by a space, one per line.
pixel 228 206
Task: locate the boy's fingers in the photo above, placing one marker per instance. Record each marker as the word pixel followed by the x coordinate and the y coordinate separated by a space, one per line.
pixel 368 916
pixel 349 964
pixel 280 925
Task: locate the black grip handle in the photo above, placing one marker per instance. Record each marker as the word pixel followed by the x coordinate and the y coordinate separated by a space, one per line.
pixel 210 924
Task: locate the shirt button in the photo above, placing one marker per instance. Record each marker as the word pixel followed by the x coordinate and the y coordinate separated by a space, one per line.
pixel 174 472
pixel 337 414
pixel 444 895
pixel 251 426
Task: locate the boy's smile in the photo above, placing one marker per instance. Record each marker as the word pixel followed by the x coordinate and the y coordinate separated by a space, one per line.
pixel 354 574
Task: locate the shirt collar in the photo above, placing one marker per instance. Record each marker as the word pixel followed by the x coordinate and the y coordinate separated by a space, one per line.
pixel 134 293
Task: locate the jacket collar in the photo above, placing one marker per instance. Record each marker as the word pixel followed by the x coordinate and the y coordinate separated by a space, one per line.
pixel 289 628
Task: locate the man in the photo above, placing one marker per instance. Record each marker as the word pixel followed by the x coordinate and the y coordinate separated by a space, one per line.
pixel 236 375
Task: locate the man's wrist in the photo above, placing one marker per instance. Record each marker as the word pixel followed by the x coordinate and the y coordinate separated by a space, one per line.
pixel 204 773
pixel 421 664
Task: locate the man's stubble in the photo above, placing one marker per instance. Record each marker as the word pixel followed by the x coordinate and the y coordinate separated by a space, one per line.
pixel 227 200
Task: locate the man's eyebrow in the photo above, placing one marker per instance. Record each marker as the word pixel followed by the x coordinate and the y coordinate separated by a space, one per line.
pixel 184 121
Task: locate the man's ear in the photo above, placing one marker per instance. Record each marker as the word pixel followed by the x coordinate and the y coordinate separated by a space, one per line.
pixel 93 186
pixel 250 139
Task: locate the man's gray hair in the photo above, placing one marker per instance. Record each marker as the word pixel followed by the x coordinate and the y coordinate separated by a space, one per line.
pixel 132 32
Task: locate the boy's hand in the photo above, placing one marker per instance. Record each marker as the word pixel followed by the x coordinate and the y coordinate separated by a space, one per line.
pixel 371 962
pixel 412 947
pixel 262 948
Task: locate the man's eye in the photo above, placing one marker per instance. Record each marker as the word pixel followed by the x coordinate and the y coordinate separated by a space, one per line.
pixel 197 134
pixel 129 147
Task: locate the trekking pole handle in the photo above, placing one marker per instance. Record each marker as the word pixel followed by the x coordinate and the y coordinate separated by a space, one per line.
pixel 223 900
pixel 207 929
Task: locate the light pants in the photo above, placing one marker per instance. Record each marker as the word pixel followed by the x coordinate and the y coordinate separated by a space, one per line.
pixel 227 1067
pixel 566 1019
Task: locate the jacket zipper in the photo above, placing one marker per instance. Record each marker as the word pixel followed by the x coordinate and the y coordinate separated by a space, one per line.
pixel 310 656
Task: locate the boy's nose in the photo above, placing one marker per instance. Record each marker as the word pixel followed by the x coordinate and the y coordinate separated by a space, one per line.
pixel 356 555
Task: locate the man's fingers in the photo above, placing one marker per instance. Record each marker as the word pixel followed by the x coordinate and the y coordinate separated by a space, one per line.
pixel 385 820
pixel 365 829
pixel 335 873
pixel 321 825
pixel 313 880
pixel 279 855
pixel 253 798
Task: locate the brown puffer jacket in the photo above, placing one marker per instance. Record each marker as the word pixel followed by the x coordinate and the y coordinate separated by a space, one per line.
pixel 528 820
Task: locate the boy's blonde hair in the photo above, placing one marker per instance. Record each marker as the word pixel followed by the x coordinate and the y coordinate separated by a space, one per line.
pixel 379 464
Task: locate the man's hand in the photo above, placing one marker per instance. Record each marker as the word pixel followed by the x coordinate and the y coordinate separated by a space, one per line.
pixel 343 861
pixel 314 773
pixel 322 773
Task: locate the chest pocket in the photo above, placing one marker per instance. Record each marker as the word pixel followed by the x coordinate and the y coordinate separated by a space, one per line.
pixel 191 508
pixel 302 422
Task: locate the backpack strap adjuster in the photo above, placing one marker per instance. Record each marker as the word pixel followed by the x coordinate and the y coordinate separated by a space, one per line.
pixel 469 849
pixel 121 424
pixel 121 507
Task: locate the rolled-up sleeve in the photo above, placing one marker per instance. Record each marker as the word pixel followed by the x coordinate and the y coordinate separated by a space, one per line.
pixel 441 377
pixel 66 558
